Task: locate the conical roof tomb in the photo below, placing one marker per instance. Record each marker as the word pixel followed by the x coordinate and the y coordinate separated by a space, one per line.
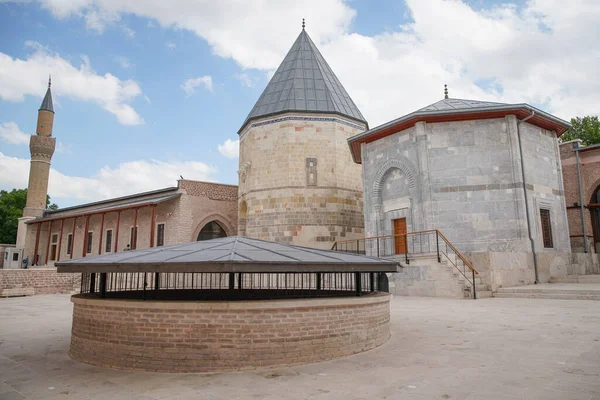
pixel 47 102
pixel 304 83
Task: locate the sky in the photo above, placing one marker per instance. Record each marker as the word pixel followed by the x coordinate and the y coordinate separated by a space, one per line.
pixel 146 91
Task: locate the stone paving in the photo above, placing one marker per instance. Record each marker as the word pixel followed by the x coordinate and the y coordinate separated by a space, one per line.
pixel 440 349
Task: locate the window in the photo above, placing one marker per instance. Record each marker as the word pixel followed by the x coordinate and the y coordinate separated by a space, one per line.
pixel 132 236
pixel 160 235
pixel 546 228
pixel 89 242
pixel 55 238
pixel 108 247
pixel 311 172
pixel 15 256
pixel 212 230
pixel 69 243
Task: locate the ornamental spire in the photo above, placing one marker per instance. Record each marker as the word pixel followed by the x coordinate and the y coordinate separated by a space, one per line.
pixel 303 24
pixel 445 91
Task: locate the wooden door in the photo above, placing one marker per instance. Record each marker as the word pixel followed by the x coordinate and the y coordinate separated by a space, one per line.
pixel 400 241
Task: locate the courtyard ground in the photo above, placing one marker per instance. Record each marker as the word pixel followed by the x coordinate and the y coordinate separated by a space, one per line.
pixel 505 348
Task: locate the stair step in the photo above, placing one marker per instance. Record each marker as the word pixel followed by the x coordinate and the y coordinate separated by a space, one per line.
pixel 559 296
pixel 576 279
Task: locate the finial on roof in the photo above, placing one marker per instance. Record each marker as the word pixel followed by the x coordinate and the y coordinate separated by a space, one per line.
pixel 49 80
pixel 303 24
pixel 445 91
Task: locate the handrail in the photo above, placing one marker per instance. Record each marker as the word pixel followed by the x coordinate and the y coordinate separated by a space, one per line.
pixel 374 243
pixel 458 253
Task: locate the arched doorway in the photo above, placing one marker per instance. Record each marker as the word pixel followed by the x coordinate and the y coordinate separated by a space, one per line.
pixel 211 230
pixel 595 211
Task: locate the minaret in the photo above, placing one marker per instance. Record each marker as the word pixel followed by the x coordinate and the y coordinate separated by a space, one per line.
pixel 41 147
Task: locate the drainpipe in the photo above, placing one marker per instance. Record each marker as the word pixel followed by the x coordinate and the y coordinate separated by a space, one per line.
pixel 535 263
pixel 586 245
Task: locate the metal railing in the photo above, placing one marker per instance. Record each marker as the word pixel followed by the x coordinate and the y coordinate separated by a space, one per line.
pixel 230 286
pixel 428 242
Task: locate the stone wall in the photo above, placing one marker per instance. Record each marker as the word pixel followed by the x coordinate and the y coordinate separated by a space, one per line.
pixel 298 183
pixel 224 336
pixel 22 282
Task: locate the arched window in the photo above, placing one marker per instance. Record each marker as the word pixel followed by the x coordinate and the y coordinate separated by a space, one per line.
pixel 212 230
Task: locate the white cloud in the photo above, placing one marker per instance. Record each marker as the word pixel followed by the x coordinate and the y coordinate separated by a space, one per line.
pixel 28 77
pixel 128 31
pixel 191 84
pixel 63 148
pixel 230 148
pixel 127 178
pixel 245 79
pixel 170 45
pixel 124 62
pixel 539 52
pixel 10 133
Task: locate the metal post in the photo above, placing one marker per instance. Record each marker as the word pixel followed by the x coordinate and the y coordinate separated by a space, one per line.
pixel 37 243
pixel 117 232
pixel 48 243
pixel 231 281
pixel 103 284
pixel 437 244
pixel 144 287
pixel 377 247
pixel 156 281
pixel 474 290
pixel 101 234
pixel 357 245
pixel 406 249
pixel 372 277
pixel 358 283
pixel 93 283
pixel 318 281
pixel 239 280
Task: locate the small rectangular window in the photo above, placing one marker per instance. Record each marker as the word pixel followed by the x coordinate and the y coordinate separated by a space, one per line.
pixel 311 172
pixel 15 256
pixel 69 243
pixel 89 242
pixel 546 228
pixel 160 235
pixel 108 247
pixel 54 238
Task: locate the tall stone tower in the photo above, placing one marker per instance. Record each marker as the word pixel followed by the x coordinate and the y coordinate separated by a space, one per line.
pixel 297 181
pixel 41 147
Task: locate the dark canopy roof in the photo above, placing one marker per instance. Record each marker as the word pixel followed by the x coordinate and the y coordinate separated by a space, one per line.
pixel 304 82
pixel 230 254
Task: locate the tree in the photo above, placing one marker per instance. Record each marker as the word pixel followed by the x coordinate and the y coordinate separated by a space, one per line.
pixel 587 129
pixel 11 209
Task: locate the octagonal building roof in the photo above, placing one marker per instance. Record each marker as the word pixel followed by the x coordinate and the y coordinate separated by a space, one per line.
pixel 305 83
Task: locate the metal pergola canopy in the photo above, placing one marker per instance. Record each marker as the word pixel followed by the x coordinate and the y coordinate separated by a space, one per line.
pixel 229 255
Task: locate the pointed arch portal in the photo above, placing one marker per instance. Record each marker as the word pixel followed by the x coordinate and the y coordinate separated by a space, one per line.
pixel 211 230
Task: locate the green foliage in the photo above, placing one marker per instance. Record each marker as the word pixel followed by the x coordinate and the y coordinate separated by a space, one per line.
pixel 587 129
pixel 11 209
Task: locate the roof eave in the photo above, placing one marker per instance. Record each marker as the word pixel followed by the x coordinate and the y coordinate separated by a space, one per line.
pixel 306 112
pixel 418 116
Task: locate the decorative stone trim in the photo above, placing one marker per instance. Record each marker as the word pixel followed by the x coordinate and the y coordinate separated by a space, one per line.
pixel 305 119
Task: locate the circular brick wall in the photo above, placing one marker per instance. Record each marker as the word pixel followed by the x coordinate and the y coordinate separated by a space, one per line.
pixel 175 336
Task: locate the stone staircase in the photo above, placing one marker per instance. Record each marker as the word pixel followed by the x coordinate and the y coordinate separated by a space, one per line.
pixel 425 276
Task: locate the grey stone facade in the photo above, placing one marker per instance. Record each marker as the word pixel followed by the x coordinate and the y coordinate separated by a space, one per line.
pixel 464 178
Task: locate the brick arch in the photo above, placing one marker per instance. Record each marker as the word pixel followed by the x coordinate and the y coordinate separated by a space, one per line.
pixel 402 164
pixel 595 187
pixel 220 219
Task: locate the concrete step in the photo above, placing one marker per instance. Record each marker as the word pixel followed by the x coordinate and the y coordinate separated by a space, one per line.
pixel 576 279
pixel 567 291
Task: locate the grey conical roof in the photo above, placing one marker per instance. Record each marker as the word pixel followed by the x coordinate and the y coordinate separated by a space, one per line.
pixel 47 102
pixel 304 82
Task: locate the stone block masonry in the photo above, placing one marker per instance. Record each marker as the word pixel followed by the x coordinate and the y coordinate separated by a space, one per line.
pixel 224 336
pixel 22 282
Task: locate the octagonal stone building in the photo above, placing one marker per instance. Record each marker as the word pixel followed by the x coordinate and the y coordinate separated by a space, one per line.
pixel 297 181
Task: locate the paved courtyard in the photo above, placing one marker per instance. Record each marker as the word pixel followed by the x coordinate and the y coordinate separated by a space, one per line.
pixel 440 349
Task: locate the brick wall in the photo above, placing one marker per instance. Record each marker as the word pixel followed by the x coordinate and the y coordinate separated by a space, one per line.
pixel 224 336
pixel 19 282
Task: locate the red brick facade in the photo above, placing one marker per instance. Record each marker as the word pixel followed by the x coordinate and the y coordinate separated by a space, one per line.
pixel 19 282
pixel 590 177
pixel 225 336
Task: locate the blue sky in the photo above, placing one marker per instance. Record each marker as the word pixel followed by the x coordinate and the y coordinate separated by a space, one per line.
pixel 125 122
